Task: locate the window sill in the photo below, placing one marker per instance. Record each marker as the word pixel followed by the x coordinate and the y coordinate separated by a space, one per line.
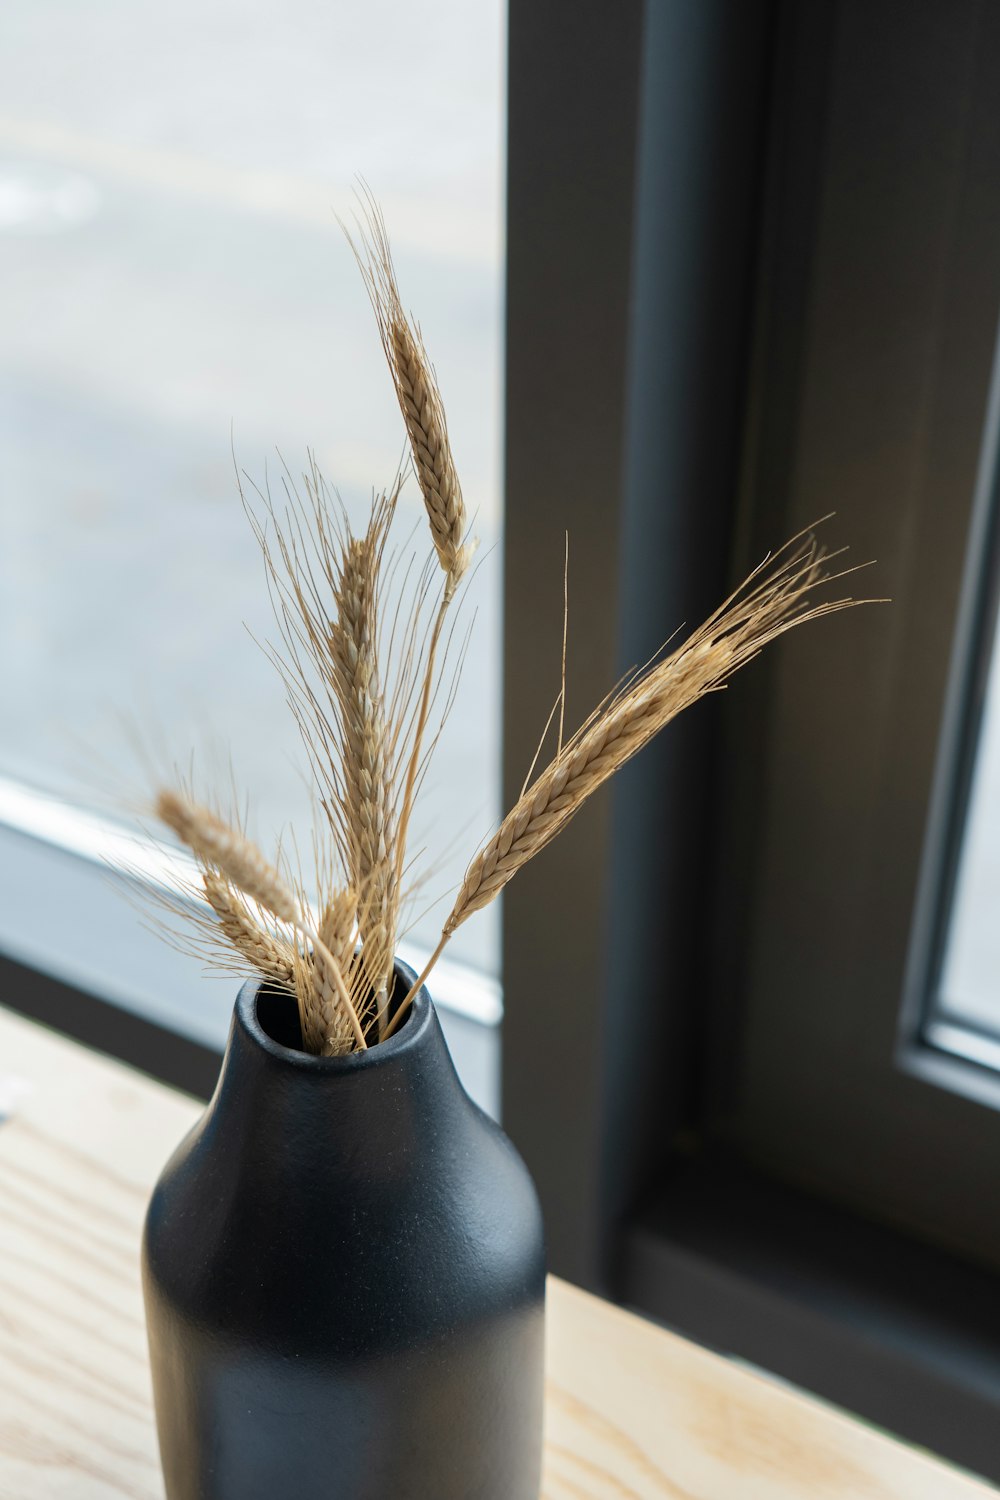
pixel 898 1332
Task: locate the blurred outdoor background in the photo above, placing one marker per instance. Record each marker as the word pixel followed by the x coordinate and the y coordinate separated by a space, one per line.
pixel 173 274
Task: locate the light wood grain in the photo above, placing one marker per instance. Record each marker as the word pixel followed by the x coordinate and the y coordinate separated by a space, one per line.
pixel 634 1413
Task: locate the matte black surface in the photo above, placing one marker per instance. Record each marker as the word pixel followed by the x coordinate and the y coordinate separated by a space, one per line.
pixel 344 1276
pixel 870 400
pixel 633 169
pixel 572 127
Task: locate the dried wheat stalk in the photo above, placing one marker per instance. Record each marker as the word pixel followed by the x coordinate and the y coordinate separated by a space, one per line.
pixel 363 706
pixel 321 974
pixel 423 415
pixel 771 601
pixel 337 929
pixel 271 957
pixel 216 843
pixel 326 587
pixel 423 412
pixel 236 857
pixel 352 696
pixel 629 722
pixel 419 399
pixel 367 810
pixel 338 926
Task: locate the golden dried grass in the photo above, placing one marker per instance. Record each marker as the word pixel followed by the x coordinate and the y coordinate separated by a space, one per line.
pixel 768 603
pixel 367 803
pixel 362 684
pixel 772 600
pixel 418 395
pixel 227 851
pixel 268 954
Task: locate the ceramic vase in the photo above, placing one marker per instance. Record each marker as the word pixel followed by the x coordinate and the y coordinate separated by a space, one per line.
pixel 343 1270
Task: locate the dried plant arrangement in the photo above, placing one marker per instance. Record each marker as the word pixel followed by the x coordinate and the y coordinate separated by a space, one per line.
pixel 369 687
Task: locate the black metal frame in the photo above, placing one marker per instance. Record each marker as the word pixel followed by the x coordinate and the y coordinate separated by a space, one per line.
pixel 571 153
pixel 894 370
pixel 611 229
pixel 704 977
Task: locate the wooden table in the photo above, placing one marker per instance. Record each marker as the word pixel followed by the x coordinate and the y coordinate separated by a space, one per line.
pixel 633 1413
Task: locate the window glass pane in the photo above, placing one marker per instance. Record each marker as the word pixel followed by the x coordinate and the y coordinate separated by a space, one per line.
pixel 966 1009
pixel 970 986
pixel 172 268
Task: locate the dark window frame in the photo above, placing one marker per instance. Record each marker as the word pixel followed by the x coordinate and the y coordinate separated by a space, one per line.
pixel 896 368
pixel 665 1038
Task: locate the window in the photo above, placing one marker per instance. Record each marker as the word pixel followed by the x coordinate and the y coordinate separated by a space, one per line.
pixel 962 1010
pixel 173 270
pixel 753 1131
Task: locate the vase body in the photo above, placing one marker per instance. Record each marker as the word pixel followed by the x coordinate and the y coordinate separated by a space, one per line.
pixel 343 1270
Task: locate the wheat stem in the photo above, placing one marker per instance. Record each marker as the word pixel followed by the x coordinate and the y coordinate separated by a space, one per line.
pixel 413 766
pixel 407 1000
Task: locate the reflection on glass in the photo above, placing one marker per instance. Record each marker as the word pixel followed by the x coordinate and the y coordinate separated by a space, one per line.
pixel 970 982
pixel 173 271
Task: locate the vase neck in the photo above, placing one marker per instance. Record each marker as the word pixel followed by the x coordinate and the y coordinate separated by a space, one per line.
pixel 382 1104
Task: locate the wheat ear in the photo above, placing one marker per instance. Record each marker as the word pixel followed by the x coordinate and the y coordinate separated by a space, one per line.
pixel 337 931
pixel 426 428
pixel 271 957
pixel 320 985
pixel 216 843
pixel 419 399
pixel 370 837
pixel 338 924
pixel 238 858
pixel 771 601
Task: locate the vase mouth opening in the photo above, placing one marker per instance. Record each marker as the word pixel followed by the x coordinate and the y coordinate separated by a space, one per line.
pixel 271 1016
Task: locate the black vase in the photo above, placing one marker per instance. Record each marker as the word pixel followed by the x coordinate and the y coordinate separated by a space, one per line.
pixel 343 1270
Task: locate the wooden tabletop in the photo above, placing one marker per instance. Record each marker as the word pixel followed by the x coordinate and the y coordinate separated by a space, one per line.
pixel 633 1413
